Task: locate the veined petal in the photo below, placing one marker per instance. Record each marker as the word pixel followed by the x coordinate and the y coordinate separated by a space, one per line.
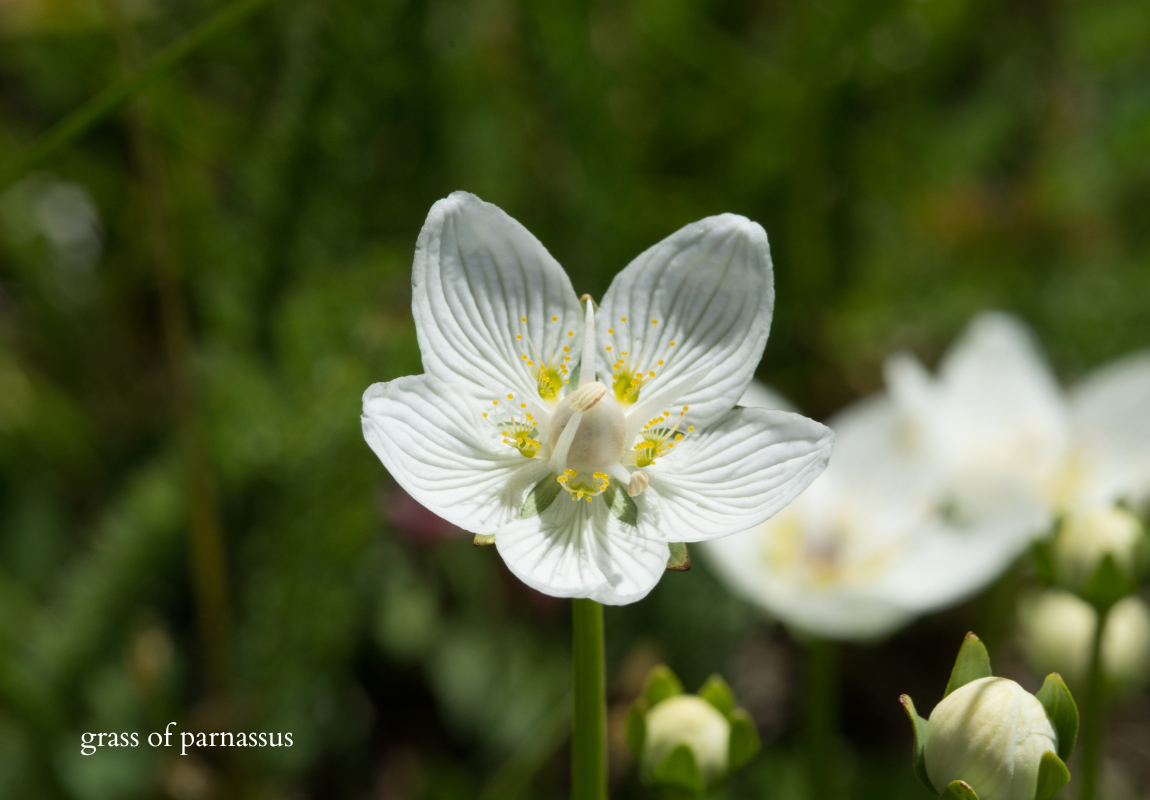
pixel 735 474
pixel 438 448
pixel 577 549
pixel 709 289
pixel 477 275
pixel 1111 428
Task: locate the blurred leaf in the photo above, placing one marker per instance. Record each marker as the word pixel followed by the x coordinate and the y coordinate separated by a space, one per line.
pixel 1052 776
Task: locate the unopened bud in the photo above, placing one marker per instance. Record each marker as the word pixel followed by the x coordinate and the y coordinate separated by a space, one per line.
pixel 992 734
pixel 1086 538
pixel 689 720
pixel 1058 628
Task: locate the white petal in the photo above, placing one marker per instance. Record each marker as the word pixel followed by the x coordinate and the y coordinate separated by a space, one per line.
pixel 735 474
pixel 477 273
pixel 577 549
pixel 1111 429
pixel 995 413
pixel 711 287
pixel 443 453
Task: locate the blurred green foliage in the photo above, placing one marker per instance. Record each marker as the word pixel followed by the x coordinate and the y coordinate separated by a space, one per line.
pixel 914 161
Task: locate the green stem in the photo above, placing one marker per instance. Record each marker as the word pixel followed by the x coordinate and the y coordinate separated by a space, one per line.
pixel 589 735
pixel 79 121
pixel 821 718
pixel 1093 717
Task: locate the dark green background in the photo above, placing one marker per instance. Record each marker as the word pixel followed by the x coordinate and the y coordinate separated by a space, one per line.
pixel 913 163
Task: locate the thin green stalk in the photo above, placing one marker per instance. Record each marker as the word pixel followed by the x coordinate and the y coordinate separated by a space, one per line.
pixel 820 718
pixel 205 529
pixel 1093 714
pixel 589 733
pixel 82 119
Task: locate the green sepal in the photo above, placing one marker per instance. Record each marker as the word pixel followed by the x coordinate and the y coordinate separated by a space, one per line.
pixel 1062 712
pixel 716 692
pixel 635 728
pixel 680 771
pixel 921 729
pixel 541 496
pixel 744 742
pixel 482 540
pixel 960 789
pixel 1109 584
pixel 680 560
pixel 973 662
pixel 620 504
pixel 1052 776
pixel 661 684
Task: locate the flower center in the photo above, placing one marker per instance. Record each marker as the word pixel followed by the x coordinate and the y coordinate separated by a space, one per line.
pixel 631 372
pixel 548 363
pixel 597 442
pixel 658 438
pixel 516 425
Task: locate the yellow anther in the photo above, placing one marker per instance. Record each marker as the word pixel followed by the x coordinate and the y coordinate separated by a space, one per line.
pixel 672 344
pixel 566 349
pixel 523 319
pixel 611 331
pixel 524 356
pixel 651 374
pixel 519 336
pixel 570 333
pixel 622 319
pixel 494 402
pixel 510 397
pixel 654 322
pixel 555 319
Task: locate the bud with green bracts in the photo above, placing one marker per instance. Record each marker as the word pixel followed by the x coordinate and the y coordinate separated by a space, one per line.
pixel 990 739
pixel 688 742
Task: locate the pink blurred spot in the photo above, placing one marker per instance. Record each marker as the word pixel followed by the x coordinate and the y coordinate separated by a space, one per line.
pixel 413 522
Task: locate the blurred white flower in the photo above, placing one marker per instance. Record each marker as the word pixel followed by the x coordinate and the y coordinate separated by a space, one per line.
pixel 992 734
pixel 644 448
pixel 1057 629
pixel 998 422
pixel 871 545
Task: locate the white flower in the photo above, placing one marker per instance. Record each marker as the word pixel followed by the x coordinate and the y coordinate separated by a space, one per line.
pixel 1058 628
pixel 990 733
pixel 999 422
pixel 871 545
pixel 584 482
pixel 687 719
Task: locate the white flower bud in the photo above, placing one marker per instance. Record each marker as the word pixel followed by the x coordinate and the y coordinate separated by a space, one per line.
pixel 990 733
pixel 1086 538
pixel 1058 630
pixel 690 720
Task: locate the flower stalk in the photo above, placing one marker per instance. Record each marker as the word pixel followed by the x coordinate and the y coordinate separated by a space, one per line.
pixel 820 717
pixel 589 734
pixel 1093 712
